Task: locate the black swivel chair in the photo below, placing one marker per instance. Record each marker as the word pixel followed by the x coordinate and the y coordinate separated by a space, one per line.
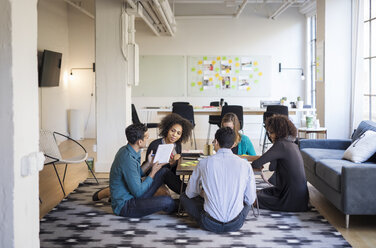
pixel 236 109
pixel 176 103
pixel 186 111
pixel 270 111
pixel 136 120
pixel 214 119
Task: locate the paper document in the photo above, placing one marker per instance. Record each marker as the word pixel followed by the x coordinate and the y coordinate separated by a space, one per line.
pixel 163 153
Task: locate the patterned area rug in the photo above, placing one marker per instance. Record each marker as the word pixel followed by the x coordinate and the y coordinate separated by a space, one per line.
pixel 79 222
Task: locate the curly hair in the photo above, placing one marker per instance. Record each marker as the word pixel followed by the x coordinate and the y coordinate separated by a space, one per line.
pixel 281 126
pixel 169 120
pixel 231 117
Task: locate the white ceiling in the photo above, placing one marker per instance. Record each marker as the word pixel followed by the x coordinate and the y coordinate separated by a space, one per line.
pixel 212 7
pixel 202 9
pixel 228 7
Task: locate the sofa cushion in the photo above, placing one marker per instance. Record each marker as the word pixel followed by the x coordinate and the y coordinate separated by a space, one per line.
pixel 312 155
pixel 329 170
pixel 362 148
pixel 363 126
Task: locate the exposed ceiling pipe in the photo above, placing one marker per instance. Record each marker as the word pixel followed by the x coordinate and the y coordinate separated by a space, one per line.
pixel 150 11
pixel 167 10
pixel 80 9
pixel 204 17
pixel 140 12
pixel 168 13
pixel 281 9
pixel 308 7
pixel 240 9
pixel 124 31
pixel 132 4
pixel 161 14
pixel 236 2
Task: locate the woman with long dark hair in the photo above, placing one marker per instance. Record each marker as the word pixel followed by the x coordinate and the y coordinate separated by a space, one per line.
pixel 290 192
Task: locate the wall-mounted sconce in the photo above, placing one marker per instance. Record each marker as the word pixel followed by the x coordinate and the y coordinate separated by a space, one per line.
pixel 300 69
pixel 71 76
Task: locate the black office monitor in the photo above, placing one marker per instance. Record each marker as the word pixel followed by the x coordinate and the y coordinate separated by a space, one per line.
pixel 49 73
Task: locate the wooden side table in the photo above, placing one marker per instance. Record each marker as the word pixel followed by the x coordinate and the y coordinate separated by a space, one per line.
pixel 312 133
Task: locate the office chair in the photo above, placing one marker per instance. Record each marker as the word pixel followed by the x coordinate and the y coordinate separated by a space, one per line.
pixel 176 103
pixel 270 111
pixel 214 119
pixel 186 111
pixel 48 145
pixel 236 109
pixel 136 120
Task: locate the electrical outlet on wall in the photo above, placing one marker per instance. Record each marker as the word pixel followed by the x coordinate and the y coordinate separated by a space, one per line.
pixel 32 163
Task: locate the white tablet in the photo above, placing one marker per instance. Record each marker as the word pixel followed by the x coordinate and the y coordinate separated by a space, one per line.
pixel 163 153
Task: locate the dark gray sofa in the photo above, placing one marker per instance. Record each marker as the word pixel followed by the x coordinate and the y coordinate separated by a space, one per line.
pixel 349 186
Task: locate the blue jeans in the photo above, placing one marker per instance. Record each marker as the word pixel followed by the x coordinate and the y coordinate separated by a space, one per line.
pixel 149 204
pixel 195 208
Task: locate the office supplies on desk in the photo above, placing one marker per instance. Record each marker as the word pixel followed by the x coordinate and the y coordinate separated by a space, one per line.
pixel 190 163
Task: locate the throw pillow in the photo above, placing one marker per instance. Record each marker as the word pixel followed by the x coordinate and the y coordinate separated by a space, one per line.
pixel 362 148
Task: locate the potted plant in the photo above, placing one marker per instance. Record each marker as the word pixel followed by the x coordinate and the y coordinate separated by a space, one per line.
pixel 283 101
pixel 299 102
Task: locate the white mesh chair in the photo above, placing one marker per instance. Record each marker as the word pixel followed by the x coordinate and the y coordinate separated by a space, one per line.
pixel 48 145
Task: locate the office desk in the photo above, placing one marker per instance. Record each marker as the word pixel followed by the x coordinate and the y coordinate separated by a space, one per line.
pixel 217 111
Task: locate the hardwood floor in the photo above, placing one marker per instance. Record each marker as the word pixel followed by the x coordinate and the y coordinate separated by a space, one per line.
pixel 50 192
pixel 362 231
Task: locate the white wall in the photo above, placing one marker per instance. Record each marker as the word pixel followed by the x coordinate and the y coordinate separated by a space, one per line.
pixel 53 35
pixel 252 34
pixel 19 212
pixel 81 32
pixel 337 85
pixel 65 29
pixel 113 99
pixel 6 129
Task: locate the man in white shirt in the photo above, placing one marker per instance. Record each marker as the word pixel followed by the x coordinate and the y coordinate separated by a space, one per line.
pixel 227 185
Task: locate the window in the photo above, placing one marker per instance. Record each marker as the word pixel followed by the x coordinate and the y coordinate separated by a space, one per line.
pixel 311 60
pixel 369 109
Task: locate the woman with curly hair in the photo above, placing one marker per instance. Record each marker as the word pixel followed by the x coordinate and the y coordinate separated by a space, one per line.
pixel 243 145
pixel 173 129
pixel 290 192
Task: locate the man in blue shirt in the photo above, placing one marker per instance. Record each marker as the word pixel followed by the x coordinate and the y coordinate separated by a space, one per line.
pixel 130 195
pixel 226 184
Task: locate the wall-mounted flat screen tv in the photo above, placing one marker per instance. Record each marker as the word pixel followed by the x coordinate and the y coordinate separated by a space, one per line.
pixel 49 72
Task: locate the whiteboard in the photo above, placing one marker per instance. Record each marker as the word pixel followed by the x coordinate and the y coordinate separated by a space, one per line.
pixel 202 76
pixel 232 75
pixel 161 76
